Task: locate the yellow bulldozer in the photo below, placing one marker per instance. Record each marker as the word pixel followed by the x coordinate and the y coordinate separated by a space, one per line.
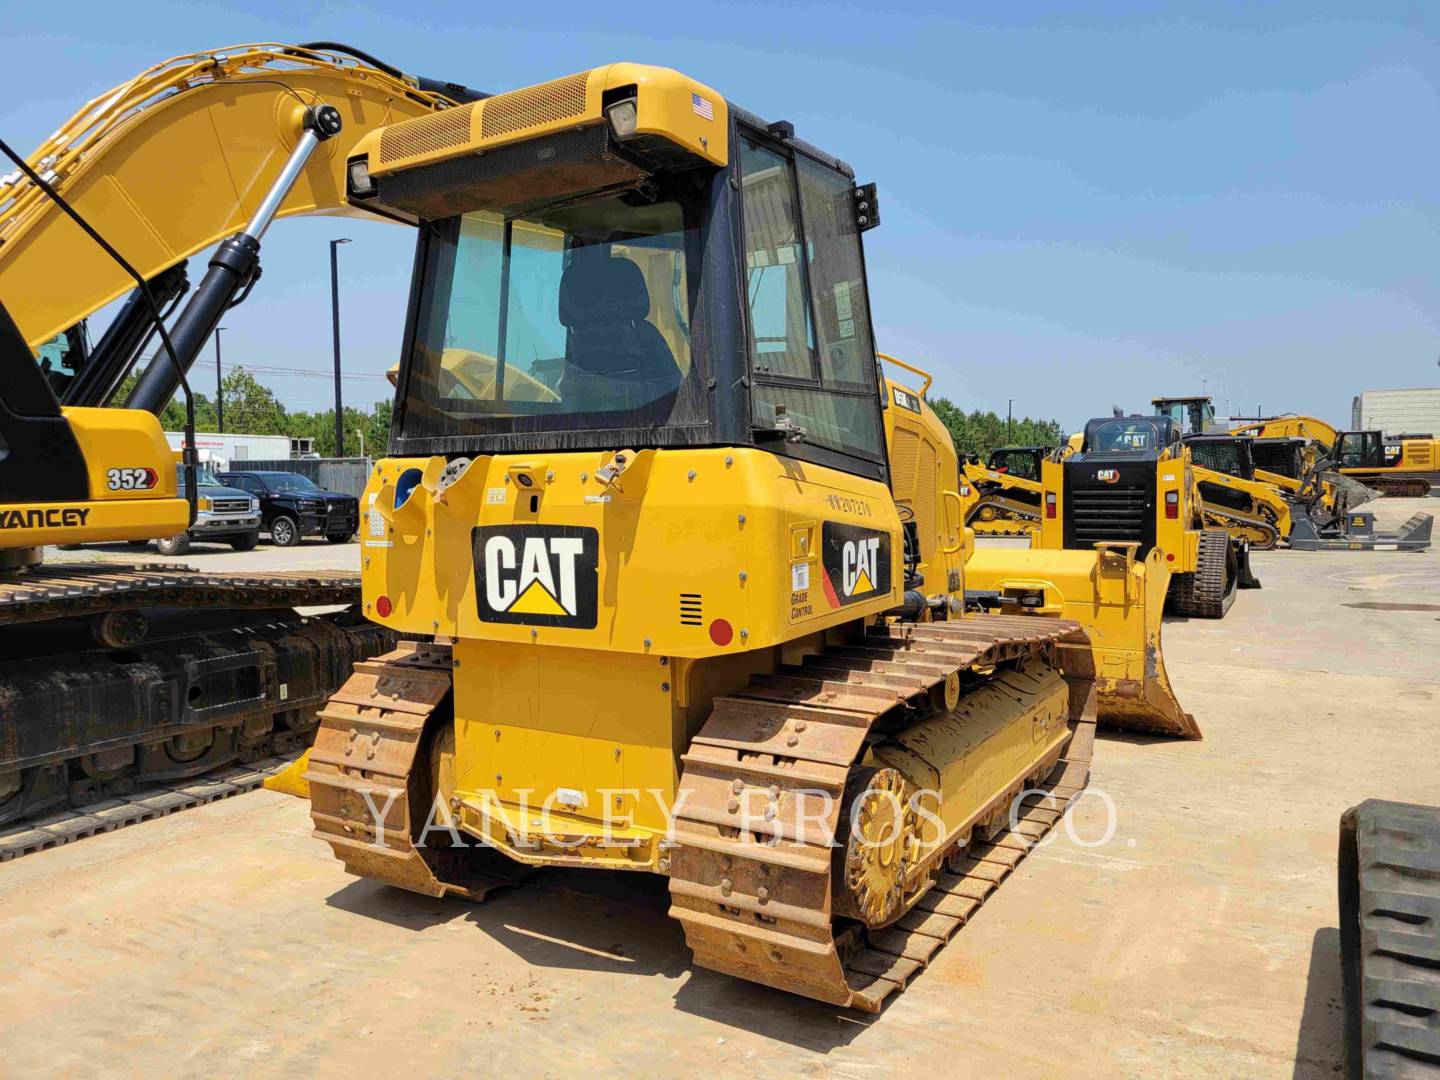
pixel 695 569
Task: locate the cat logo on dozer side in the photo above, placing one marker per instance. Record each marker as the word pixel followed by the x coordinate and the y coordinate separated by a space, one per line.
pixel 538 575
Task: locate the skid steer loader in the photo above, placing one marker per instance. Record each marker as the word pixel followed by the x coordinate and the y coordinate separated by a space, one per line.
pixel 1131 483
pixel 640 489
pixel 1002 496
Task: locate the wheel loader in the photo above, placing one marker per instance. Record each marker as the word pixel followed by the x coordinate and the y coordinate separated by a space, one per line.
pixel 112 675
pixel 695 570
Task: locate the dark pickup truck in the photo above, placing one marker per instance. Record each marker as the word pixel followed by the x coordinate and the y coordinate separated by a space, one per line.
pixel 291 506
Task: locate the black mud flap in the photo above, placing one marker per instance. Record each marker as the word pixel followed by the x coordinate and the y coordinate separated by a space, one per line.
pixel 1389 891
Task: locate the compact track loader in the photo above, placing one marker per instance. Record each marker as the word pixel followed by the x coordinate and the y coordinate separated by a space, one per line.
pixel 696 569
pixel 1002 496
pixel 1232 496
pixel 1131 483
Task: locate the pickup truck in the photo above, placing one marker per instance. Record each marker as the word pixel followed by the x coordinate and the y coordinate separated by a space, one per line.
pixel 292 506
pixel 225 515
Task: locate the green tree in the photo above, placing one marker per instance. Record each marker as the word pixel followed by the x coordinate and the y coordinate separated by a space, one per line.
pixel 980 432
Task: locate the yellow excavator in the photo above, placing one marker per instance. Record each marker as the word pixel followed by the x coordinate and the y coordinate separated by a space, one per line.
pixel 118 676
pixel 1404 465
pixel 700 606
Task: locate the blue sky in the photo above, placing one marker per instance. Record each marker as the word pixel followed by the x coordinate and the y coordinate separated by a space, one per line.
pixel 1083 205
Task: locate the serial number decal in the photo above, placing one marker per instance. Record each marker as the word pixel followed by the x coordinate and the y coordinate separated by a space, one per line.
pixel 845 504
pixel 131 479
pixel 68 517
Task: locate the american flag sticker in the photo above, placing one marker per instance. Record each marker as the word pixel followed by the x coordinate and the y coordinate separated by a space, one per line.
pixel 701 108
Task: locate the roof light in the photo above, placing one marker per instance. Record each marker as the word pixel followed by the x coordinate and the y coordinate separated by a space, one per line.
pixel 623 118
pixel 361 186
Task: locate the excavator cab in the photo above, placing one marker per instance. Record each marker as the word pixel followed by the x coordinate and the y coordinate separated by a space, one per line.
pixel 1364 450
pixel 1195 415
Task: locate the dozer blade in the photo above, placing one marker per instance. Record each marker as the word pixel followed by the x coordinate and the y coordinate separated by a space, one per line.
pixel 1118 600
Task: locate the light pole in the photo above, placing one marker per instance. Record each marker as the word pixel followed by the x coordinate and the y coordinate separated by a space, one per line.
pixel 335 322
pixel 219 386
pixel 1009 420
pixel 361 436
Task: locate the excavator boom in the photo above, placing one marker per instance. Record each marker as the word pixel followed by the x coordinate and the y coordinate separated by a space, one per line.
pixel 175 160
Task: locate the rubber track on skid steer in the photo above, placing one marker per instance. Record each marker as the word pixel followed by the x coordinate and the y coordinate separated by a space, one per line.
pixel 161 800
pixel 364 772
pixel 1206 593
pixel 66 590
pixel 1220 517
pixel 758 905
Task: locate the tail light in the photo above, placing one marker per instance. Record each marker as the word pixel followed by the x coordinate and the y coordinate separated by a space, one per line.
pixel 1050 505
pixel 1172 504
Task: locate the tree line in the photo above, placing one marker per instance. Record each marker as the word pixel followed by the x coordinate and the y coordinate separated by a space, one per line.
pixel 251 408
pixel 981 432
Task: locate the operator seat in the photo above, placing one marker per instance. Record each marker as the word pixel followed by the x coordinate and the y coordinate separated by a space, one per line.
pixel 614 357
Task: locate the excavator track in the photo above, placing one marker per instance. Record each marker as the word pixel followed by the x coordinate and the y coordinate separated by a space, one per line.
pixel 370 766
pixel 758 902
pixel 178 674
pixel 1398 488
pixel 1210 590
pixel 67 590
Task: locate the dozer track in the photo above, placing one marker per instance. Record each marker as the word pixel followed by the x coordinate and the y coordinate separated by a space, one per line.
pixel 364 769
pixel 1210 590
pixel 758 910
pixel 759 902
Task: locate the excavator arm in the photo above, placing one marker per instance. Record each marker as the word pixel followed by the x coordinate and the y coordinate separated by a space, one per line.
pixel 178 158
pixel 202 149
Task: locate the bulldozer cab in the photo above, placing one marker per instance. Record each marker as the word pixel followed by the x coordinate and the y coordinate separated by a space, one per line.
pixel 624 281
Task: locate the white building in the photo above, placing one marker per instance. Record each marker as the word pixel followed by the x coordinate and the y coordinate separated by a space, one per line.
pixel 1397 412
pixel 223 451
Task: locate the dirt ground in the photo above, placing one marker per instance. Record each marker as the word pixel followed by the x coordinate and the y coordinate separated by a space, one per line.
pixel 1201 939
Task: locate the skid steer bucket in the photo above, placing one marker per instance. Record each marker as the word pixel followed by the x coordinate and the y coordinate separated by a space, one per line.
pixel 1119 601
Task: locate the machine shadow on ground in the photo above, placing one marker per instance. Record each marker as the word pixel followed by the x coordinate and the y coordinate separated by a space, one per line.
pixel 1319 1047
pixel 613 922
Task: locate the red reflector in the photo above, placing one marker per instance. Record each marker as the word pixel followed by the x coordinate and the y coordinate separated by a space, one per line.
pixel 721 632
pixel 1169 558
pixel 1049 504
pixel 1172 504
pixel 383 607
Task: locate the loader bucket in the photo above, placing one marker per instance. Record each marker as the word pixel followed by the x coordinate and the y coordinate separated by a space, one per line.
pixel 1119 600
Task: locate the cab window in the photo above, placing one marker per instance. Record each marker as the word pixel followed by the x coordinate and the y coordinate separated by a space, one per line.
pixel 809 331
